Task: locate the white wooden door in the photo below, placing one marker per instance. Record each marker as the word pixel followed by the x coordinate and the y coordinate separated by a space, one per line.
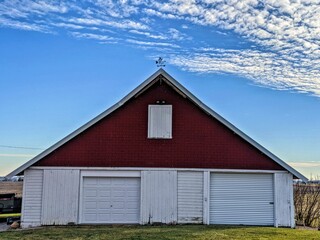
pixel 110 200
pixel 241 199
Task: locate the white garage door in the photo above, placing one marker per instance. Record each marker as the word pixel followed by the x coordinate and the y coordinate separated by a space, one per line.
pixel 110 200
pixel 241 199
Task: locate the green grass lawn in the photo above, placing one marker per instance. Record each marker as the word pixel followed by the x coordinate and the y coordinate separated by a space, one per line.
pixel 160 232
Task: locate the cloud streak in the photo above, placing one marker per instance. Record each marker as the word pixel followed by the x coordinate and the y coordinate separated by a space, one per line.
pixel 126 24
pixel 98 37
pixel 16 155
pixel 304 164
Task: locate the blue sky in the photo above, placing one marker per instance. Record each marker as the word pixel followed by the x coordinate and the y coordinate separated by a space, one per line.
pixel 256 63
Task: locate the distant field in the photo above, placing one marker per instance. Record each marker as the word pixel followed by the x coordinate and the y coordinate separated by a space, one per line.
pixel 186 232
pixel 11 187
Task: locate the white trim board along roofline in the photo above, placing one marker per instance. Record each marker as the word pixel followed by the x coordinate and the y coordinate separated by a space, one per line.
pixel 182 90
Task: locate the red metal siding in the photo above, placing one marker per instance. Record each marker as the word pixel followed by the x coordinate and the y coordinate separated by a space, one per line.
pixel 120 140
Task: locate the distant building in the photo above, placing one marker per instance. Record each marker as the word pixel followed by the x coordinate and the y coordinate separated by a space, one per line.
pixel 2 179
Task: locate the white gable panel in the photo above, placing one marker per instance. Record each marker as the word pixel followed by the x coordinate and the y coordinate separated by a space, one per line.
pixel 160 121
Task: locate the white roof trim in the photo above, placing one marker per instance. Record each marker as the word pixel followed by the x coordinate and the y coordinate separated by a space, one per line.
pixel 189 95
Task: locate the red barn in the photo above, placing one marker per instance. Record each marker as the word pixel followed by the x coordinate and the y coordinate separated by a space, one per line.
pixel 158 156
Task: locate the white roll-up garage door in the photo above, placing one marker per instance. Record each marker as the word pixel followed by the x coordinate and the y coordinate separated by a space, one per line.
pixel 241 199
pixel 110 200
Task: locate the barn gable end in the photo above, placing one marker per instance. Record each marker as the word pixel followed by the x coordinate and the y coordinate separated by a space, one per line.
pixel 118 136
pixel 198 140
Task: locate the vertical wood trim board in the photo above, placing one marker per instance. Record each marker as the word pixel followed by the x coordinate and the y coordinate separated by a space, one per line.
pixel 284 209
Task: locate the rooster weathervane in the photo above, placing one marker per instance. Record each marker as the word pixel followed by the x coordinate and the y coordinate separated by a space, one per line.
pixel 160 62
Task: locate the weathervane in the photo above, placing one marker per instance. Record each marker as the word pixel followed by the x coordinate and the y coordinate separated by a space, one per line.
pixel 160 62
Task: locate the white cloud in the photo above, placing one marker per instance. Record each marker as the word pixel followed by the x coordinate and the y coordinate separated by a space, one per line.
pixel 23 25
pixel 68 25
pixel 25 8
pixel 304 164
pixel 92 36
pixel 309 169
pixel 118 9
pixel 171 34
pixel 16 155
pixel 177 35
pixel 157 44
pixel 149 35
pixel 125 24
pixel 152 12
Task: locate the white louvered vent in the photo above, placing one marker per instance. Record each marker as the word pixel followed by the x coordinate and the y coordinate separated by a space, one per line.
pixel 190 197
pixel 160 121
pixel 32 198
